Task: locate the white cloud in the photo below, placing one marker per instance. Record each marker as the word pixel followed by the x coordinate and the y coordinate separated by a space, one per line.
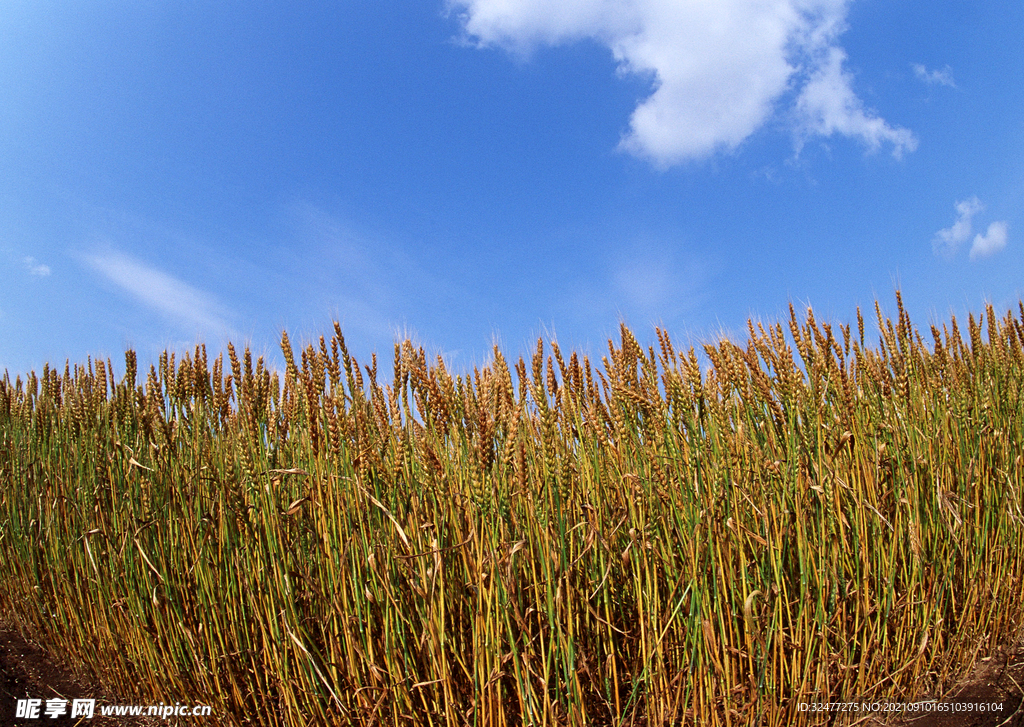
pixel 828 105
pixel 991 242
pixel 156 289
pixel 719 68
pixel 35 268
pixel 947 240
pixel 943 77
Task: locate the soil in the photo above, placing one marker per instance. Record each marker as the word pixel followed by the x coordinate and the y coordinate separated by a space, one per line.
pixel 26 670
pixel 996 681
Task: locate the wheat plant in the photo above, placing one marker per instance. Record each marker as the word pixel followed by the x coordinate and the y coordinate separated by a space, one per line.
pixel 655 538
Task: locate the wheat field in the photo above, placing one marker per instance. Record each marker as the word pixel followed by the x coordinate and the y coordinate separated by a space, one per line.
pixel 655 538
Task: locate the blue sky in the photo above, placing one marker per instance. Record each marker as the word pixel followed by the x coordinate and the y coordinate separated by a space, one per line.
pixel 476 171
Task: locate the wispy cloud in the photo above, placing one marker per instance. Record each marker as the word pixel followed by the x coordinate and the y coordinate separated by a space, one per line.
pixel 184 304
pixel 719 68
pixel 827 105
pixel 35 268
pixel 367 281
pixel 644 280
pixel 948 240
pixel 942 78
pixel 991 242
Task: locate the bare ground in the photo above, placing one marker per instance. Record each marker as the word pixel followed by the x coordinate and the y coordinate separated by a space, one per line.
pixel 996 680
pixel 27 671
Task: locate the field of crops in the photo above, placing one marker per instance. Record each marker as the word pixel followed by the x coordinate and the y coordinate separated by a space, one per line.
pixel 652 538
